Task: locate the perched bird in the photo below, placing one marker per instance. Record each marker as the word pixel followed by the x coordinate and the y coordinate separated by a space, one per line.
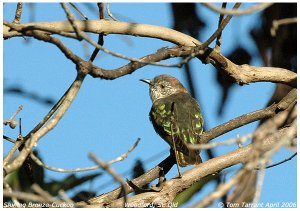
pixel 176 117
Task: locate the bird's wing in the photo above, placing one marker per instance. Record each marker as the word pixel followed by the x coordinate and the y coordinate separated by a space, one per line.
pixel 178 115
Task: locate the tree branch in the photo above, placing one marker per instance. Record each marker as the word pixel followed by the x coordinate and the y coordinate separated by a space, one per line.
pixel 105 166
pixel 255 8
pixel 18 13
pixel 51 168
pixel 35 137
pixel 208 135
pixel 279 163
pixel 140 181
pixel 222 25
pixel 108 27
pixel 268 112
pixel 177 185
pixel 241 74
pixel 245 74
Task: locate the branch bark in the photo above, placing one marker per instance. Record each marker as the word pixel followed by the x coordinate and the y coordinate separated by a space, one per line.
pixel 241 74
pixel 35 137
pixel 108 27
pixel 208 135
pixel 173 187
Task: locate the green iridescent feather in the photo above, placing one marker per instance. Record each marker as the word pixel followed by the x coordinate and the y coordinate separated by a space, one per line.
pixel 178 117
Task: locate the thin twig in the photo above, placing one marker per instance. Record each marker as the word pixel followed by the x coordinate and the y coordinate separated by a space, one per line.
pixel 79 11
pixel 199 49
pixel 56 169
pixel 277 23
pixel 81 35
pixel 218 41
pixel 16 113
pixel 278 163
pixel 191 176
pixel 100 36
pixel 232 158
pixel 125 155
pixel 20 136
pixel 51 168
pixel 32 30
pixel 186 59
pixel 207 136
pixel 35 137
pixel 234 12
pixel 39 35
pixel 71 19
pixel 129 171
pixel 241 74
pixel 238 140
pixel 237 122
pixel 48 115
pixel 219 30
pixel 11 121
pixel 105 166
pixel 18 13
pixel 109 12
pixel 101 10
pixel 9 139
pixel 224 188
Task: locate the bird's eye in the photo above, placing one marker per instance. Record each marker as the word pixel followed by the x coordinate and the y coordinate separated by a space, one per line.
pixel 162 86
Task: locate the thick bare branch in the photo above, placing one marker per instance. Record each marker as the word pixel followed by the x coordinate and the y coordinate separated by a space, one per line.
pixel 175 186
pixel 241 74
pixel 140 181
pixel 208 135
pixel 236 123
pixel 268 112
pixel 245 74
pixel 109 27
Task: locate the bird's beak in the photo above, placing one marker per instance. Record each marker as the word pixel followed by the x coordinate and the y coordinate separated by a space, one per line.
pixel 147 81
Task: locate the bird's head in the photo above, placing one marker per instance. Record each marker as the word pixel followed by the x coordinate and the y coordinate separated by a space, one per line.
pixel 163 86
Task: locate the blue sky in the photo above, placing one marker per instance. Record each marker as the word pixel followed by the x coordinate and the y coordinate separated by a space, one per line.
pixel 107 117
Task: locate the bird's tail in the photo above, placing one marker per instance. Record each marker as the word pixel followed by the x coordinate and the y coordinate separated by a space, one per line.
pixel 193 158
